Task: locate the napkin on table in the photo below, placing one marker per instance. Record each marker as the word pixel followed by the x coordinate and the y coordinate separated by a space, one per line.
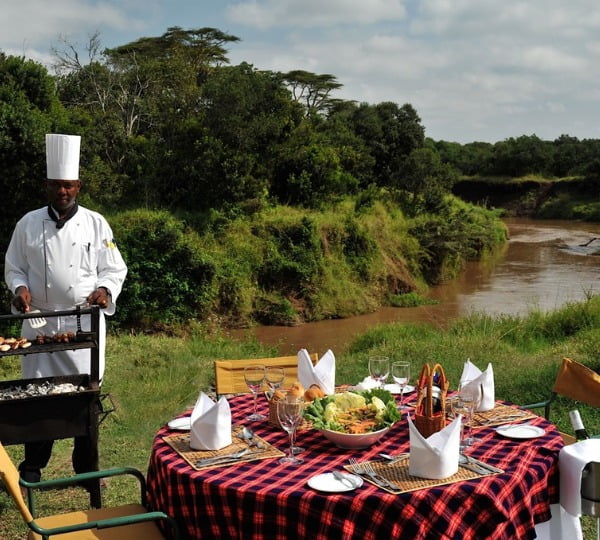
pixel 322 374
pixel 572 459
pixel 367 383
pixel 436 456
pixel 486 379
pixel 210 424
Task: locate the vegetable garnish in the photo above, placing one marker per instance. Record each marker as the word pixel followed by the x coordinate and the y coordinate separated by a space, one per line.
pixel 354 412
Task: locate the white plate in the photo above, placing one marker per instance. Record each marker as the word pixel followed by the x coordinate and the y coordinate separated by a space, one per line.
pixel 326 482
pixel 520 431
pixel 181 424
pixel 395 388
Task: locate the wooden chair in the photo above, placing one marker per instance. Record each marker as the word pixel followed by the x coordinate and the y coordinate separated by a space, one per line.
pixel 229 374
pixel 574 381
pixel 116 523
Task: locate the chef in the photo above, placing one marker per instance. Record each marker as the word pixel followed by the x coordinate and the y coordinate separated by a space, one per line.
pixel 61 256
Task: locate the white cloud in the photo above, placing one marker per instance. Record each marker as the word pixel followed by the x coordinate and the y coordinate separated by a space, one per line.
pixel 32 28
pixel 310 13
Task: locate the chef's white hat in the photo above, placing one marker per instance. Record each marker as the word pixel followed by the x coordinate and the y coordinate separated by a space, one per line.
pixel 62 156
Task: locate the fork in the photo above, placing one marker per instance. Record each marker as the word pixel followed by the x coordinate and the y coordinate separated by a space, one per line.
pixel 375 475
pixel 36 322
pixel 365 468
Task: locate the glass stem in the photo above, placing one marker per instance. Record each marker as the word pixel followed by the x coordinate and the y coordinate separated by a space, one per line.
pixel 255 402
pixel 292 443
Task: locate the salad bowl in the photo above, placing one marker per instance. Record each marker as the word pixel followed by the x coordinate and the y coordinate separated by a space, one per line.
pixel 354 419
pixel 354 441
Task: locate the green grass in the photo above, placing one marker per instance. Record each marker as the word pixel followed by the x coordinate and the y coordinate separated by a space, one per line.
pixel 152 378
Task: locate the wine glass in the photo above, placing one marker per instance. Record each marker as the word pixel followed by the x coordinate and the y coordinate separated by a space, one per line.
pixel 401 376
pixel 469 393
pixel 274 377
pixel 255 377
pixel 459 408
pixel 290 411
pixel 379 369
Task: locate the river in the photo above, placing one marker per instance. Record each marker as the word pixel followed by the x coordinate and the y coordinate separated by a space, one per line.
pixel 544 265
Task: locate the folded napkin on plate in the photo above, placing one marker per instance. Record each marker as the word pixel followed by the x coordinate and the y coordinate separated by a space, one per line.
pixel 322 374
pixel 572 459
pixel 436 456
pixel 486 379
pixel 367 384
pixel 210 424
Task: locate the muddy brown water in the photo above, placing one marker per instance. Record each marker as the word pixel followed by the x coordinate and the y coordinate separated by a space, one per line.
pixel 544 265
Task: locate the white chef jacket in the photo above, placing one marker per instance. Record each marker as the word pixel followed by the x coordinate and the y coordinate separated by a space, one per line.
pixel 61 267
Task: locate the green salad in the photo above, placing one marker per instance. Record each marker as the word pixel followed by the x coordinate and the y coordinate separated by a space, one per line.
pixel 354 412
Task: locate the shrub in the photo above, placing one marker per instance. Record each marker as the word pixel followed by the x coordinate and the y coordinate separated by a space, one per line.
pixel 169 279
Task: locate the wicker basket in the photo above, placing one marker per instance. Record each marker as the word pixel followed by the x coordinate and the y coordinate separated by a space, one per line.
pixel 274 419
pixel 427 420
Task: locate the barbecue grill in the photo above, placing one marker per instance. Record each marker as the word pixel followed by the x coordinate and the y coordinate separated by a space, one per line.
pixel 32 418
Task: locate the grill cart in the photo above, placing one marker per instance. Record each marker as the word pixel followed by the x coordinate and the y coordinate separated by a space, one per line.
pixel 55 407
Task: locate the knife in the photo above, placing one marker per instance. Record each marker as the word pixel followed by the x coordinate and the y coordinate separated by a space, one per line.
pixel 227 457
pixel 487 466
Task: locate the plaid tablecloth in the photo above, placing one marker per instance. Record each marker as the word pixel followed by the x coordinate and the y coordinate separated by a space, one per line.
pixel 264 499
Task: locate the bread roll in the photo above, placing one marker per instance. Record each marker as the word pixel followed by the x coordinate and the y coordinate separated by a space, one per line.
pixel 297 390
pixel 313 393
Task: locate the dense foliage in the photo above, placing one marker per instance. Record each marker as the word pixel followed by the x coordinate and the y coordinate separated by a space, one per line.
pixel 206 149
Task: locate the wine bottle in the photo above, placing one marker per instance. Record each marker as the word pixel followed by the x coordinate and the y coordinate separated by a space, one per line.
pixel 578 427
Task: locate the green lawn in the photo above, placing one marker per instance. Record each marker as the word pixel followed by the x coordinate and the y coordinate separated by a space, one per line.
pixel 152 378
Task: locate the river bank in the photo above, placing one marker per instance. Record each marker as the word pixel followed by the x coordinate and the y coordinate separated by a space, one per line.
pixel 542 266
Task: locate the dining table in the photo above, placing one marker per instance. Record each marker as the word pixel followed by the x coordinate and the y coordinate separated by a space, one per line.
pixel 265 499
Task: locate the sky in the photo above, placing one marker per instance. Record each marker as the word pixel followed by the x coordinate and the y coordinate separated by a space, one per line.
pixel 474 70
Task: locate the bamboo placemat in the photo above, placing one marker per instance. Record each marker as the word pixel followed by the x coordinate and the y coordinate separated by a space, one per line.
pixel 397 473
pixel 181 444
pixel 501 414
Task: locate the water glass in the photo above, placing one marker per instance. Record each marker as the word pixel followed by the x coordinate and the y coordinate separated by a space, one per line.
pixel 401 376
pixel 255 378
pixel 290 412
pixel 469 393
pixel 379 369
pixel 274 377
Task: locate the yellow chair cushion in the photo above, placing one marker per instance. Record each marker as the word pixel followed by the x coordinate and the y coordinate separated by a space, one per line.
pixel 146 531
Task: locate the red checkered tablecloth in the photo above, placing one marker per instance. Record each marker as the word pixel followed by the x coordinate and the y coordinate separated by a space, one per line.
pixel 267 500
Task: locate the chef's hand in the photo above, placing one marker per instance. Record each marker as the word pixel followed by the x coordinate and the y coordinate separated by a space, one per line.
pixel 99 297
pixel 22 299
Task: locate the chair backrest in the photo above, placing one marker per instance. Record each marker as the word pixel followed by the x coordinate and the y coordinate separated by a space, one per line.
pixel 578 382
pixel 229 374
pixel 10 477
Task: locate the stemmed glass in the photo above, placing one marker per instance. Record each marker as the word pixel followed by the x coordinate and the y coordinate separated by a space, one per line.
pixel 469 394
pixel 459 408
pixel 379 369
pixel 290 411
pixel 274 377
pixel 401 376
pixel 255 378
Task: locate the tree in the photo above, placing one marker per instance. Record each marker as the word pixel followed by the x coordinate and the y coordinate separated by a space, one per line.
pixel 390 133
pixel 28 110
pixel 312 90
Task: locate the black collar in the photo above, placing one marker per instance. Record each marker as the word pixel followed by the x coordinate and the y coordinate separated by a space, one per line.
pixel 60 222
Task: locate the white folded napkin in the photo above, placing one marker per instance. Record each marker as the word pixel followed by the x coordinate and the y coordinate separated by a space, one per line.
pixel 322 374
pixel 572 459
pixel 367 384
pixel 436 456
pixel 486 379
pixel 210 424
